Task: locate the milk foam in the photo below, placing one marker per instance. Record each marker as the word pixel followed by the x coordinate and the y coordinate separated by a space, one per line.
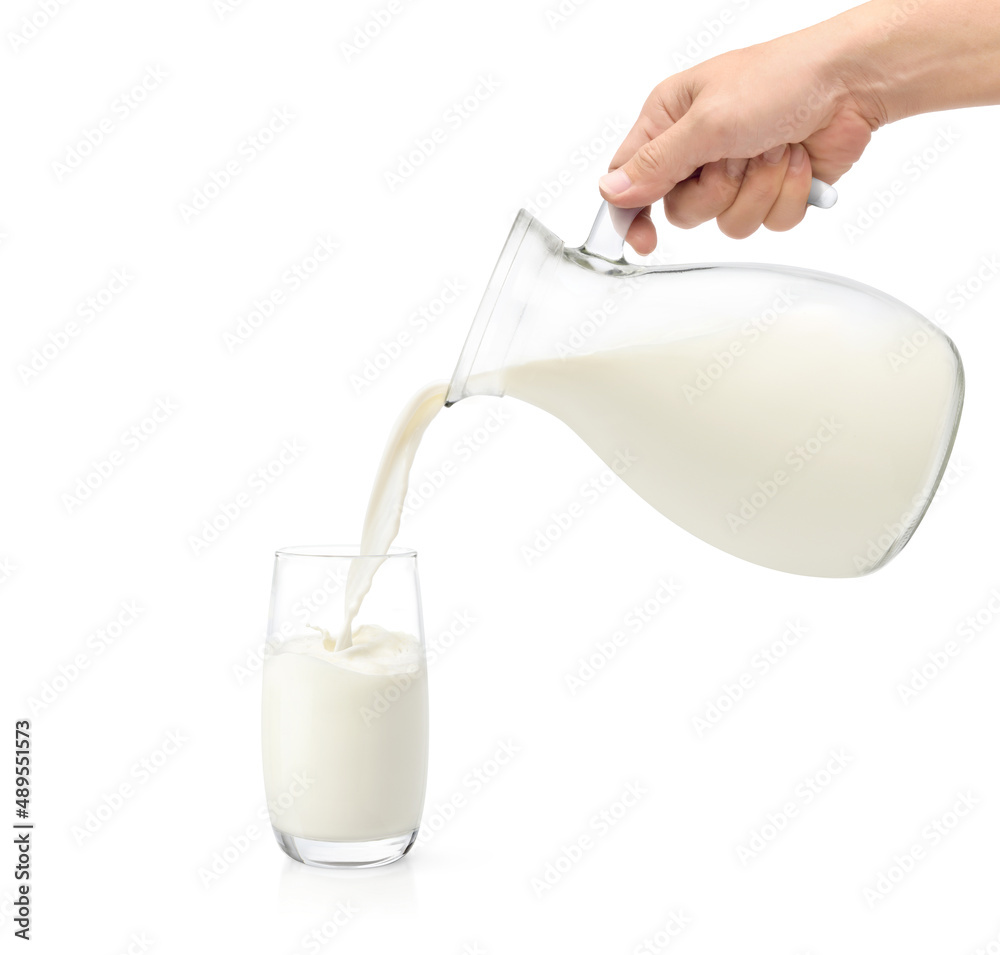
pixel 374 651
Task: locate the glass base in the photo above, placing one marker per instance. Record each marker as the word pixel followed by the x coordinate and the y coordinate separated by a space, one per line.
pixel 346 855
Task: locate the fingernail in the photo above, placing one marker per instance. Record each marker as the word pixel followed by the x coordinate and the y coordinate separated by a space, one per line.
pixel 615 182
pixel 735 168
pixel 774 154
pixel 797 160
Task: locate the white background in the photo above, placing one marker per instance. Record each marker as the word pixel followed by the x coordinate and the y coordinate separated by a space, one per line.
pixel 177 668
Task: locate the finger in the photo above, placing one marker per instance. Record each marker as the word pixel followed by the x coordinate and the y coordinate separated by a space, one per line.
pixel 642 233
pixel 663 107
pixel 656 167
pixel 834 150
pixel 789 208
pixel 695 201
pixel 645 130
pixel 758 193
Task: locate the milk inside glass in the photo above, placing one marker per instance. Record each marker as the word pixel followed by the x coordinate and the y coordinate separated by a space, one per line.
pixel 346 732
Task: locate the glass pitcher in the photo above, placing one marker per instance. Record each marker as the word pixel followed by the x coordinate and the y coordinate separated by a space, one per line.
pixel 796 419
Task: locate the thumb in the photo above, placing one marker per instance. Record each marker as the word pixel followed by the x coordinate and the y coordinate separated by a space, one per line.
pixel 656 167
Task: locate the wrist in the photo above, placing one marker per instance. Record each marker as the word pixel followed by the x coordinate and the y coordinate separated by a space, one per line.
pixel 862 65
pixel 897 59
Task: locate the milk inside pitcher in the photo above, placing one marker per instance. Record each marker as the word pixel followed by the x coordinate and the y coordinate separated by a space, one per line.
pixel 798 420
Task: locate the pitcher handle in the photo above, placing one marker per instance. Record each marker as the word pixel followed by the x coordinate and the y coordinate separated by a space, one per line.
pixel 607 236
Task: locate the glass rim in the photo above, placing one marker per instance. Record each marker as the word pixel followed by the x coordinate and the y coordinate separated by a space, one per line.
pixel 341 551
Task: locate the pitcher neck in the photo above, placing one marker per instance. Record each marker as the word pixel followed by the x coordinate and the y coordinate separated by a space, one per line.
pixel 505 309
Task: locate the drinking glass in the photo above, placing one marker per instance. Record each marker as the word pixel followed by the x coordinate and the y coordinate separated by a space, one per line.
pixel 345 733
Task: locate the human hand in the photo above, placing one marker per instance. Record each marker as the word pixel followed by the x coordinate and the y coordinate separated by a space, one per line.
pixel 740 137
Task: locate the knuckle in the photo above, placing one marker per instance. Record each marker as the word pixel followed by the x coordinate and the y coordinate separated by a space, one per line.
pixel 758 188
pixel 721 191
pixel 659 97
pixel 715 128
pixel 714 125
pixel 693 203
pixel 649 159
